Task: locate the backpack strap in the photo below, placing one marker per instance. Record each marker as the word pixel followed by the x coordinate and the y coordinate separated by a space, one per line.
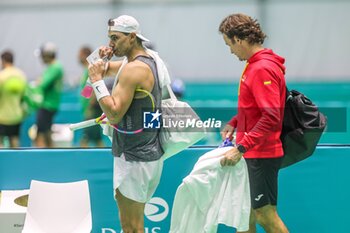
pixel 288 94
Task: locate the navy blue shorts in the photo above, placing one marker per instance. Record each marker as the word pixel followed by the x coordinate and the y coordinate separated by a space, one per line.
pixel 10 130
pixel 263 181
pixel 44 119
pixel 93 133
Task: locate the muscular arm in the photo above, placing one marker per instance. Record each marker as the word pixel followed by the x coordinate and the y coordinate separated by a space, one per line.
pixel 116 105
pixel 131 78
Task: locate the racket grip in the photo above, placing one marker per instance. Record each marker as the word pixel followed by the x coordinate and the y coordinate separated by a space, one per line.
pixel 83 124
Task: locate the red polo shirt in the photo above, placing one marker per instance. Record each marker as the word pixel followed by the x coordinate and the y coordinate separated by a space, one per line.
pixel 261 101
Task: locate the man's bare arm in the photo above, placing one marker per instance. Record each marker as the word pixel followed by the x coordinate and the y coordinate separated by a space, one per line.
pixel 116 105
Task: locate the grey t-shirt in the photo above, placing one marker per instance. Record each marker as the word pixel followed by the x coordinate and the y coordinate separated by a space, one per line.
pixel 145 145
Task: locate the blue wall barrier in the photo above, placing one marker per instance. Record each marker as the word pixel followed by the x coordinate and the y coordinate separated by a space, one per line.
pixel 218 100
pixel 313 195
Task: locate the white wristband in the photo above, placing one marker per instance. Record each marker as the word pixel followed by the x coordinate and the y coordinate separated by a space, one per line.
pixel 100 89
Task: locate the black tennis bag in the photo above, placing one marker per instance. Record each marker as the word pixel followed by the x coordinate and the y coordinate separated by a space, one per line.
pixel 302 128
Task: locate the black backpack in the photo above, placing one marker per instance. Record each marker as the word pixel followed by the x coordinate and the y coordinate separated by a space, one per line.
pixel 302 128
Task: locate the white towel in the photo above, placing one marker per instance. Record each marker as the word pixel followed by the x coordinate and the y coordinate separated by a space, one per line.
pixel 163 73
pixel 212 195
pixel 162 70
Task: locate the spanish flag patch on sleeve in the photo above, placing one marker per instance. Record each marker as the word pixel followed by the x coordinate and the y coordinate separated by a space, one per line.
pixel 267 82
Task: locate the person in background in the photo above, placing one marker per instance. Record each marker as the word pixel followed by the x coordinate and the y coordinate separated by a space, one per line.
pixel 12 86
pixel 51 84
pixel 90 107
pixel 258 123
pixel 178 87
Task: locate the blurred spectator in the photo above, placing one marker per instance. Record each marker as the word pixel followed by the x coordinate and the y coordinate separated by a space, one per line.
pixel 178 87
pixel 90 107
pixel 12 86
pixel 51 84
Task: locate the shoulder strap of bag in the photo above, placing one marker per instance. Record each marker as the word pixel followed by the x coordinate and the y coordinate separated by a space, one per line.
pixel 288 94
pixel 171 93
pixel 118 73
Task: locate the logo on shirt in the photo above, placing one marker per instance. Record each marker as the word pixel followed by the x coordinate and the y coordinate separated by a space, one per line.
pixel 151 120
pixel 156 209
pixel 259 197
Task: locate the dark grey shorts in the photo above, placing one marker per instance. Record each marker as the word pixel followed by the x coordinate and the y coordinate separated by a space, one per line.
pixel 263 181
pixel 44 119
pixel 10 130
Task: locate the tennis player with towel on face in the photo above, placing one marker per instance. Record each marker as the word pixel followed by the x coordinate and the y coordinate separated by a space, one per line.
pixel 138 159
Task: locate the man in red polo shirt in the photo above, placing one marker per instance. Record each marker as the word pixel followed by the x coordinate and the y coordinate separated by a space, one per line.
pixel 258 123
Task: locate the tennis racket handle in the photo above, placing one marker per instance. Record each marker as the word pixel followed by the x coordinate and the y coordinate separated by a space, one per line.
pixel 83 124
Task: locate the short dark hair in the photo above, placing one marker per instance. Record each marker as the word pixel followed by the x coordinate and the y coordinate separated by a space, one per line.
pixel 7 56
pixel 244 27
pixel 86 50
pixel 50 55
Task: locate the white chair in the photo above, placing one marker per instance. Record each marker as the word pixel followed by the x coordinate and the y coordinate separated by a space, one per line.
pixel 58 208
